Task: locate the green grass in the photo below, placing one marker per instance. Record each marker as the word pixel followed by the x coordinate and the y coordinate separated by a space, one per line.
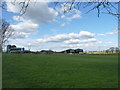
pixel 60 71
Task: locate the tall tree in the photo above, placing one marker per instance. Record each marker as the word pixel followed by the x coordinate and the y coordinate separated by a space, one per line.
pixel 6 32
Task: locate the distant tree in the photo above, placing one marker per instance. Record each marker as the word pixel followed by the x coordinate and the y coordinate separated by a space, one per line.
pixel 117 50
pixel 107 51
pixel 112 49
pixel 6 32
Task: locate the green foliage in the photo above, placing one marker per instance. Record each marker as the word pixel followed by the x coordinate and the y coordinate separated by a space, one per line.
pixel 60 71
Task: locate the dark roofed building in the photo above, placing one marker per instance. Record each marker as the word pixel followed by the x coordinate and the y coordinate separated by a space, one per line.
pixel 14 49
pixel 74 51
pixel 78 50
pixel 47 51
pixel 70 51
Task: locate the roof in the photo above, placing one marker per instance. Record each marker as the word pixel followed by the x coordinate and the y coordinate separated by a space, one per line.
pixel 46 51
pixel 16 48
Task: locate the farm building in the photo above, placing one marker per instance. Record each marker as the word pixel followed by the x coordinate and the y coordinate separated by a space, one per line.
pixel 78 50
pixel 74 51
pixel 70 51
pixel 14 49
pixel 47 51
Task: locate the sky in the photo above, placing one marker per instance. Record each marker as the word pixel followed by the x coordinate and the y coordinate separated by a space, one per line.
pixel 45 27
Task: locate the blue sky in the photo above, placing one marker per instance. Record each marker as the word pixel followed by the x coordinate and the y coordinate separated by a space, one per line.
pixel 49 28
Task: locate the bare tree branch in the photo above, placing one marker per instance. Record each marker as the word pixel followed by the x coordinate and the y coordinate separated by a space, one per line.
pixel 6 32
pixel 103 4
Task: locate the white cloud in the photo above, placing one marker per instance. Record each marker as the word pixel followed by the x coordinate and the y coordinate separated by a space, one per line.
pixel 108 33
pixel 113 32
pixel 74 46
pixel 24 28
pixel 26 43
pixel 100 34
pixel 13 8
pixel 36 12
pixel 63 37
pixel 61 42
pixel 63 16
pixel 109 42
pixel 17 18
pixel 75 41
pixel 76 16
pixel 20 35
pixel 80 45
pixel 66 14
pixel 86 34
pixel 63 24
pixel 65 8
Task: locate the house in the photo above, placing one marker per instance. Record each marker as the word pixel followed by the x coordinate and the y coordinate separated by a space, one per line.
pixel 74 51
pixel 14 49
pixel 47 51
pixel 78 50
pixel 70 51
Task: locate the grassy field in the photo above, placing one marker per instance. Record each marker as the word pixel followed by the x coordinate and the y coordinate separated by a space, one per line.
pixel 60 71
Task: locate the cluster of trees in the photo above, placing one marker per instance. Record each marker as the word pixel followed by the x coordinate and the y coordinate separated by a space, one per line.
pixel 112 49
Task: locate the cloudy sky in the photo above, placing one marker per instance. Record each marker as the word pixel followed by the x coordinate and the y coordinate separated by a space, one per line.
pixel 45 26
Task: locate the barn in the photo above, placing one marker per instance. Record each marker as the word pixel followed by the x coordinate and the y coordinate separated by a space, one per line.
pixel 74 51
pixel 14 49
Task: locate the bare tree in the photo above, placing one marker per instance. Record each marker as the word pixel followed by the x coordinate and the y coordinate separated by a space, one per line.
pixel 109 7
pixel 6 32
pixel 98 5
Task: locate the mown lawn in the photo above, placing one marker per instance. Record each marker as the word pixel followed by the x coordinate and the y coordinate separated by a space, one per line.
pixel 60 71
